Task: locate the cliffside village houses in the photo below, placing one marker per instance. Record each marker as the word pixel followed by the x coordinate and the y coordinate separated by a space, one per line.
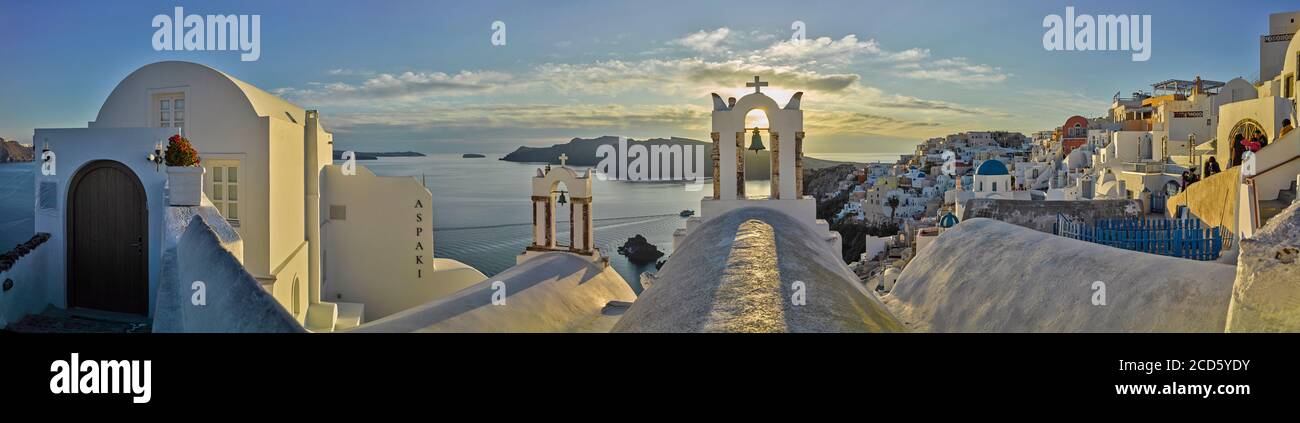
pixel 1139 149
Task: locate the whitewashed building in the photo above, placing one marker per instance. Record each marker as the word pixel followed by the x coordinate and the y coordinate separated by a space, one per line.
pixel 332 249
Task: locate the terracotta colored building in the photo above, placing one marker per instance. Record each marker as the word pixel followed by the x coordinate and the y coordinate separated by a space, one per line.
pixel 1074 133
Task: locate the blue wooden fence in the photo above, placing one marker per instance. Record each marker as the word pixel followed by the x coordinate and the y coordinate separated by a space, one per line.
pixel 1183 238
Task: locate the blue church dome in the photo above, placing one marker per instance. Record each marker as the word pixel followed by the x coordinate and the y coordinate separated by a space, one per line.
pixel 992 167
pixel 948 220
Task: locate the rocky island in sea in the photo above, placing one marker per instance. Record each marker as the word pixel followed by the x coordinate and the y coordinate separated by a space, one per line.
pixel 582 152
pixel 640 251
pixel 362 155
pixel 12 151
pixel 472 156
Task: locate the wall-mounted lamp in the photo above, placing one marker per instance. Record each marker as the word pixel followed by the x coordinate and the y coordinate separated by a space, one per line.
pixel 46 149
pixel 157 156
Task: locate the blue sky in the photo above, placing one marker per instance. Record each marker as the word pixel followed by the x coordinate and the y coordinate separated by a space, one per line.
pixel 423 75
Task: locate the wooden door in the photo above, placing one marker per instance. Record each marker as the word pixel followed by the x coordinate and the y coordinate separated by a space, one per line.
pixel 108 233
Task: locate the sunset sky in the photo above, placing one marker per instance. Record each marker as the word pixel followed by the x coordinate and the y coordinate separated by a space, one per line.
pixel 423 75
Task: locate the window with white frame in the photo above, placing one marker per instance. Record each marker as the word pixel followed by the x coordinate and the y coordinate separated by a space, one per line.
pixel 170 112
pixel 223 187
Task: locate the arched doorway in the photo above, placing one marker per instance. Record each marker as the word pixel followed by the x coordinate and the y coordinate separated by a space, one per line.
pixel 108 233
pixel 1246 128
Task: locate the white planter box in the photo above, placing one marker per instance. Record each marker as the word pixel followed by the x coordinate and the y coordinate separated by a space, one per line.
pixel 184 185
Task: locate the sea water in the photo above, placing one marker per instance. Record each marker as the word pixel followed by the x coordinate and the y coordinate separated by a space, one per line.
pixel 17 204
pixel 481 208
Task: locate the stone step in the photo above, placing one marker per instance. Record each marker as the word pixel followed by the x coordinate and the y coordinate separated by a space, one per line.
pixel 321 317
pixel 1270 208
pixel 349 315
pixel 1288 195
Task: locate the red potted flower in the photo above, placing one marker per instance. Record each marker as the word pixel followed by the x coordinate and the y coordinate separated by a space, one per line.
pixel 184 175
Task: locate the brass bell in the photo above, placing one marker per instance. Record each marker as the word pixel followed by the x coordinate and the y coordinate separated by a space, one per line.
pixel 756 142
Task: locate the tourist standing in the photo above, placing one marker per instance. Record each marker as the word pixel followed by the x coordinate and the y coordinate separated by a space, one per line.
pixel 1211 167
pixel 1260 139
pixel 1249 144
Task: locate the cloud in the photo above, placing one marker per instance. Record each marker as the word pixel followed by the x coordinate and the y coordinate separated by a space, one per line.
pixel 666 94
pixel 848 122
pixel 524 116
pixel 917 104
pixel 1066 102
pixel 406 85
pixel 349 72
pixel 678 77
pixel 704 41
pixel 909 55
pixel 954 70
pixel 841 51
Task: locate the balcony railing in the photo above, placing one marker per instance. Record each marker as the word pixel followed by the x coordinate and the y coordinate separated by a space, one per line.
pixel 1145 167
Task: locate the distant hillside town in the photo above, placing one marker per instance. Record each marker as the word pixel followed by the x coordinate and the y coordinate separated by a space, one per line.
pixel 1194 169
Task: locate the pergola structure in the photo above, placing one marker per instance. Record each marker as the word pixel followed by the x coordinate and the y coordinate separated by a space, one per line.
pixel 1185 87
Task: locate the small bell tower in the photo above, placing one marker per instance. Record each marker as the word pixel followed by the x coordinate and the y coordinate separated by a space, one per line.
pixel 557 190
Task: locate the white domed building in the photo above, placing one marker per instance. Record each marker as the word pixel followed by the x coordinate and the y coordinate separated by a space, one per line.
pixel 278 222
pixel 992 180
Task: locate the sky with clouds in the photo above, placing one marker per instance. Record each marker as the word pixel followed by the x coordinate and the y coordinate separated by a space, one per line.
pixel 423 75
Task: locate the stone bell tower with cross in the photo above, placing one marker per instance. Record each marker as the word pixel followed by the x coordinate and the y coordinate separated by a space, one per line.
pixel 786 136
pixel 554 190
pixel 784 131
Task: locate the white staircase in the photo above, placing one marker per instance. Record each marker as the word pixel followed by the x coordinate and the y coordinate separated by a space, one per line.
pixel 333 317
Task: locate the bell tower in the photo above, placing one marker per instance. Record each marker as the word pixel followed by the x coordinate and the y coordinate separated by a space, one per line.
pixel 785 137
pixel 554 190
pixel 785 127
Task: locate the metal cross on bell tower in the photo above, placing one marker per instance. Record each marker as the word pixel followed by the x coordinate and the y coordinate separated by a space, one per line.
pixel 756 84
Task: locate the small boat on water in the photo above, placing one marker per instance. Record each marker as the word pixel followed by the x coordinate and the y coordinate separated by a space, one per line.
pixel 687 213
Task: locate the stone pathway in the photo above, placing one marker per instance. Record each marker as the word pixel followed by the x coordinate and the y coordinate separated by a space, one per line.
pixel 62 321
